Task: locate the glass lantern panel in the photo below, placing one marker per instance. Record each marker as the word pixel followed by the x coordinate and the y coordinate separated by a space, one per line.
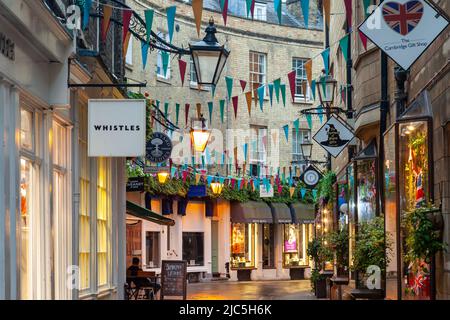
pixel 206 64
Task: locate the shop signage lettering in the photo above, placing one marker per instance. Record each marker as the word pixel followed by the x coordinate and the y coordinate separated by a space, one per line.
pixel 159 148
pixel 173 279
pixel 135 184
pixel 404 29
pixel 116 128
pixel 264 192
pixel 7 47
pixel 334 136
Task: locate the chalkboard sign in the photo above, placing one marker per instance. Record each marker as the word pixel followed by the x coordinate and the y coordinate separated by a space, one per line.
pixel 135 184
pixel 173 279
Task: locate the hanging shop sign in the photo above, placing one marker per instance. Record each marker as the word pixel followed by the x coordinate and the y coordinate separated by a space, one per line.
pixel 334 136
pixel 159 148
pixel 7 47
pixel 311 177
pixel 266 191
pixel 404 29
pixel 116 128
pixel 135 184
pixel 173 279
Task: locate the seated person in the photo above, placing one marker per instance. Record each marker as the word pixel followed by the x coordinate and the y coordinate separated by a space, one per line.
pixel 141 282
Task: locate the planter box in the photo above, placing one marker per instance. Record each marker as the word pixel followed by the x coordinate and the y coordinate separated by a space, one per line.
pixel 321 289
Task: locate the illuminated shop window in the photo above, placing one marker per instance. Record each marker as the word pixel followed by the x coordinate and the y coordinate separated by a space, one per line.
pixel 295 241
pixel 243 247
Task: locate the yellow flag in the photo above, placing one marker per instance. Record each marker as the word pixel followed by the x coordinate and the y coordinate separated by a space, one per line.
pixel 197 178
pixel 197 7
pixel 291 191
pixel 308 68
pixel 326 11
pixel 248 96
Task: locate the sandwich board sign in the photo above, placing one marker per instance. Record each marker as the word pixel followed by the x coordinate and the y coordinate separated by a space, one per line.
pixel 334 136
pixel 404 29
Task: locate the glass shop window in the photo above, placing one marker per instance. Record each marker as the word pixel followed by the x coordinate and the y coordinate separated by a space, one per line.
pixel 26 130
pixel 268 246
pixel 152 247
pixel 193 252
pixel 351 212
pixel 295 241
pixel 243 246
pixel 367 190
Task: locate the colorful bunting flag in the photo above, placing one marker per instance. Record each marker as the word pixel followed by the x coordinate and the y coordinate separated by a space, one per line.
pixel 177 111
pixel 292 77
pixel 326 11
pixel 186 112
pixel 243 84
pixel 308 68
pixel 313 88
pixel 248 6
pixel 144 48
pixel 303 192
pixel 314 192
pixel 197 7
pixel 248 97
pixel 213 90
pixel 235 105
pixel 229 82
pixel 320 108
pixel 222 108
pixel 261 91
pixel 283 93
pixel 291 191
pixel 165 56
pixel 210 108
pixel 149 14
pixel 224 7
pixel 106 22
pixel 86 13
pixel 182 66
pixel 366 4
pixel 126 19
pixel 305 10
pixel 245 151
pixel 326 59
pixel 278 7
pixel 344 44
pixel 309 120
pixel 348 12
pixel 363 38
pixel 297 126
pixel 271 93
pixel 166 109
pixel 276 85
pixel 171 12
pixel 286 132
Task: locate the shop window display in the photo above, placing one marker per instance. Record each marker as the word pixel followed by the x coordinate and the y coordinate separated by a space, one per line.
pixel 367 191
pixel 324 226
pixel 351 211
pixel 295 239
pixel 243 245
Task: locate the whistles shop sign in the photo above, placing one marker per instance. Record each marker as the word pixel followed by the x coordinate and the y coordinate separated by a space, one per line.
pixel 116 128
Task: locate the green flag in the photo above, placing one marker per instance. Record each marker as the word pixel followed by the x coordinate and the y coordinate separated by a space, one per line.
pixel 166 109
pixel 343 43
pixel 165 61
pixel 276 85
pixel 222 108
pixel 177 111
pixel 210 107
pixel 229 82
pixel 149 22
pixel 366 4
pixel 283 93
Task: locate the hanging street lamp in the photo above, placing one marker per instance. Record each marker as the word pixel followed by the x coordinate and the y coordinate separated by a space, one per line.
pixel 209 57
pixel 306 149
pixel 326 86
pixel 216 186
pixel 199 134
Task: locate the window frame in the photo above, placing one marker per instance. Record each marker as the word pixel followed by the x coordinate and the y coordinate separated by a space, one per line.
pixel 160 68
pixel 196 233
pixel 271 246
pixel 260 148
pixel 262 73
pixel 300 78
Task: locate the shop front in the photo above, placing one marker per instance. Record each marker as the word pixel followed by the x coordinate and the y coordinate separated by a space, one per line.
pixel 408 185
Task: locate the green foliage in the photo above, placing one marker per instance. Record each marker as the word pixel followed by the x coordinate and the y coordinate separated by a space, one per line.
pixel 372 247
pixel 338 241
pixel 325 189
pixel 316 276
pixel 172 187
pixel 422 240
pixel 148 111
pixel 318 251
pixel 134 171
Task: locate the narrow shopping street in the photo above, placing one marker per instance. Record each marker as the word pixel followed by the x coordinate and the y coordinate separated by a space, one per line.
pixel 251 290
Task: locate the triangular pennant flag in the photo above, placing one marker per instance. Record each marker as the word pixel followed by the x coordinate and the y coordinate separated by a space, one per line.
pixel 286 132
pixel 309 120
pixel 278 6
pixel 252 8
pixel 320 108
pixel 303 192
pixel 166 109
pixel 363 38
pixel 197 178
pixel 276 85
pixel 304 88
pixel 235 105
pixel 261 91
pixel 348 12
pixel 165 56
pixel 243 84
pixel 126 43
pixel 149 13
pixel 343 44
pixel 270 85
pixel 182 66
pixel 245 151
pixel 291 77
pixel 248 6
pixel 197 7
pixel 186 112
pixel 308 68
pixel 305 10
pixel 210 108
pixel 173 171
pixel 283 93
pixel 199 110
pixel 86 12
pixel 229 82
pixel 126 19
pixel 209 180
pixel 291 191
pixel 106 22
pixel 222 108
pixel 213 90
pixel 144 48
pixel 366 4
pixel 177 112
pixel 224 7
pixel 314 192
pixel 171 12
pixel 248 97
pixel 297 126
pixel 313 88
pixel 326 11
pixel 326 59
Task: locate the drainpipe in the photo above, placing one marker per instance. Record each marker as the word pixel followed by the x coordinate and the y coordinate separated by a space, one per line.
pixel 328 114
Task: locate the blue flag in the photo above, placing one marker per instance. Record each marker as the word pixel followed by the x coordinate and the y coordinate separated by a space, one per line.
pixel 145 47
pixel 305 9
pixel 261 92
pixel 286 131
pixel 326 59
pixel 171 11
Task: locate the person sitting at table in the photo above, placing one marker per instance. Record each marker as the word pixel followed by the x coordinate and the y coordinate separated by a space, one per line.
pixel 133 271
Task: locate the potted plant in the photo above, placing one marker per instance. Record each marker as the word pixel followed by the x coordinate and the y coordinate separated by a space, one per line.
pixel 338 241
pixel 319 253
pixel 372 248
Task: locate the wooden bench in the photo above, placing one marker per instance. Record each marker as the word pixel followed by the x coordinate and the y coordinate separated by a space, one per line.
pixel 368 294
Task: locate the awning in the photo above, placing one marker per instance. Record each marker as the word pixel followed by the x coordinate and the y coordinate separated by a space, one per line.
pixel 303 213
pixel 142 213
pixel 281 213
pixel 250 212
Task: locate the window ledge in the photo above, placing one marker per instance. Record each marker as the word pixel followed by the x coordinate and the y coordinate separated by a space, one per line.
pixel 163 80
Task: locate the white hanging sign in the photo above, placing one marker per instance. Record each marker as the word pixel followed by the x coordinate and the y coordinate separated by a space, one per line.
pixel 334 136
pixel 404 29
pixel 116 128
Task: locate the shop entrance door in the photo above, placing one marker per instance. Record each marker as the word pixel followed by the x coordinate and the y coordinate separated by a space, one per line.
pixel 215 248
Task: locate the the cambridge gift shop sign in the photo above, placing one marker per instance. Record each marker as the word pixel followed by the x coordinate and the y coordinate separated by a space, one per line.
pixel 116 128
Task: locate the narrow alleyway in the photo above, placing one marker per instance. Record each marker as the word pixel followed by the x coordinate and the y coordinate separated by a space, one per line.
pixel 251 290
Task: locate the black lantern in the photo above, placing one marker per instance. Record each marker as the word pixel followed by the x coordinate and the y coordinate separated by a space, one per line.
pixel 209 57
pixel 326 86
pixel 306 149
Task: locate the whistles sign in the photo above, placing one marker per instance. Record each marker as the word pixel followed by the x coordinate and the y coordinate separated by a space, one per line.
pixel 116 128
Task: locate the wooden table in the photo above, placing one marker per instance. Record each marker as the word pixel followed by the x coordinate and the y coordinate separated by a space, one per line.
pixel 339 281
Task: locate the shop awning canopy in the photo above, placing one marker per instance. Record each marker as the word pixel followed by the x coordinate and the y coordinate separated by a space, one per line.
pixel 303 213
pixel 281 213
pixel 143 213
pixel 251 212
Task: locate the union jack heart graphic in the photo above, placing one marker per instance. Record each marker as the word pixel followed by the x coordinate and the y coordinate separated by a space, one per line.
pixel 403 18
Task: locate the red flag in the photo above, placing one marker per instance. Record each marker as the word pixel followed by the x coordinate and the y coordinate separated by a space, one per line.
pixel 186 112
pixel 126 22
pixel 348 12
pixel 184 174
pixel 280 188
pixel 225 11
pixel 182 65
pixel 232 183
pixel 363 38
pixel 291 76
pixel 235 105
pixel 252 8
pixel 243 84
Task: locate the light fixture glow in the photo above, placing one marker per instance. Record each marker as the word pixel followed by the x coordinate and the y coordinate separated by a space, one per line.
pixel 216 188
pixel 199 134
pixel 162 177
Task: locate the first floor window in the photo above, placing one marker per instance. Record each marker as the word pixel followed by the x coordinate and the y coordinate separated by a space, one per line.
pixel 258 69
pixel 298 65
pixel 152 248
pixel 268 246
pixel 193 252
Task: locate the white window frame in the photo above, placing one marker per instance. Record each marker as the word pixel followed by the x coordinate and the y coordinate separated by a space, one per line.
pixel 258 156
pixel 129 54
pixel 159 64
pixel 297 140
pixel 262 73
pixel 298 65
pixel 260 11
